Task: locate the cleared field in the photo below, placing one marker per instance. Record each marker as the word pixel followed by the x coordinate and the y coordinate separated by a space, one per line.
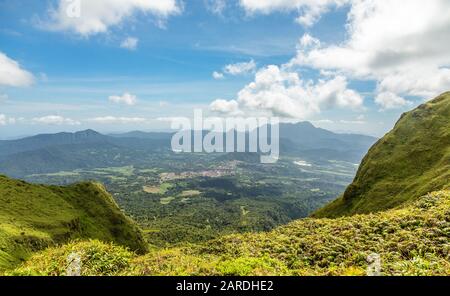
pixel 166 200
pixel 187 193
pixel 161 189
pixel 126 170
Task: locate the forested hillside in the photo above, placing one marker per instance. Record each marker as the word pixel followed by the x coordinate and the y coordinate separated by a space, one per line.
pixel 34 217
pixel 411 160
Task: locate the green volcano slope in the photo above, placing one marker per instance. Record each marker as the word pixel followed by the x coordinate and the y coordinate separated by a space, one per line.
pixel 33 217
pixel 409 240
pixel 410 161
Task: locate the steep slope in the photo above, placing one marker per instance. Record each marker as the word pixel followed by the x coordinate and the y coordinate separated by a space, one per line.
pixel 33 217
pixel 411 240
pixel 411 160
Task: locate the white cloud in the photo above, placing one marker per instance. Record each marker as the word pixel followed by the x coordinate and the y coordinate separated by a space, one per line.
pixel 118 120
pixel 5 120
pixel 226 107
pixel 309 10
pixel 352 121
pixel 217 75
pixel 240 68
pixel 322 121
pixel 97 16
pixel 11 73
pixel 170 118
pixel 130 43
pixel 307 41
pixel 283 93
pixel 216 6
pixel 126 98
pixel 55 120
pixel 388 100
pixel 401 45
pixel 236 69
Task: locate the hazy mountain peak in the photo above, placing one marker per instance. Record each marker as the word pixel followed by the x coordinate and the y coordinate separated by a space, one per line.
pixel 89 133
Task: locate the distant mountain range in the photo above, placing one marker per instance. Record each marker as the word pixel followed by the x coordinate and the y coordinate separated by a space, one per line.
pixel 49 153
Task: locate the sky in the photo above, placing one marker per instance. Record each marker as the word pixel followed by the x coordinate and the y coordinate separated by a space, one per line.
pixel 121 65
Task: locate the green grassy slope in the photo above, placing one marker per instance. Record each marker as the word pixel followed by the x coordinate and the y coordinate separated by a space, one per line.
pixel 33 217
pixel 410 161
pixel 410 240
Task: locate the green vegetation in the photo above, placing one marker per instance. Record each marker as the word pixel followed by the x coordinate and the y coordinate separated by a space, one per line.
pixel 190 193
pixel 411 160
pixel 161 189
pixel 411 240
pixel 166 200
pixel 243 197
pixel 209 215
pixel 66 152
pixel 96 257
pixel 126 170
pixel 194 197
pixel 34 217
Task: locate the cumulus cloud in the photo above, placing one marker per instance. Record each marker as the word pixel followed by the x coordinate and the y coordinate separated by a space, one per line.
pixel 217 75
pixel 240 68
pixel 12 74
pixel 90 17
pixel 309 10
pixel 283 93
pixel 55 120
pixel 130 43
pixel 388 100
pixel 236 69
pixel 118 120
pixel 226 107
pixel 401 45
pixel 126 98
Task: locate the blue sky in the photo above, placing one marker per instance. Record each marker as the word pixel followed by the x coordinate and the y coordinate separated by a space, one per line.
pixel 169 70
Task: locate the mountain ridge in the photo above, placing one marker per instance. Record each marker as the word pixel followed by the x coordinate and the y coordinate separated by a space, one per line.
pixel 409 161
pixel 46 140
pixel 33 217
pixel 51 153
